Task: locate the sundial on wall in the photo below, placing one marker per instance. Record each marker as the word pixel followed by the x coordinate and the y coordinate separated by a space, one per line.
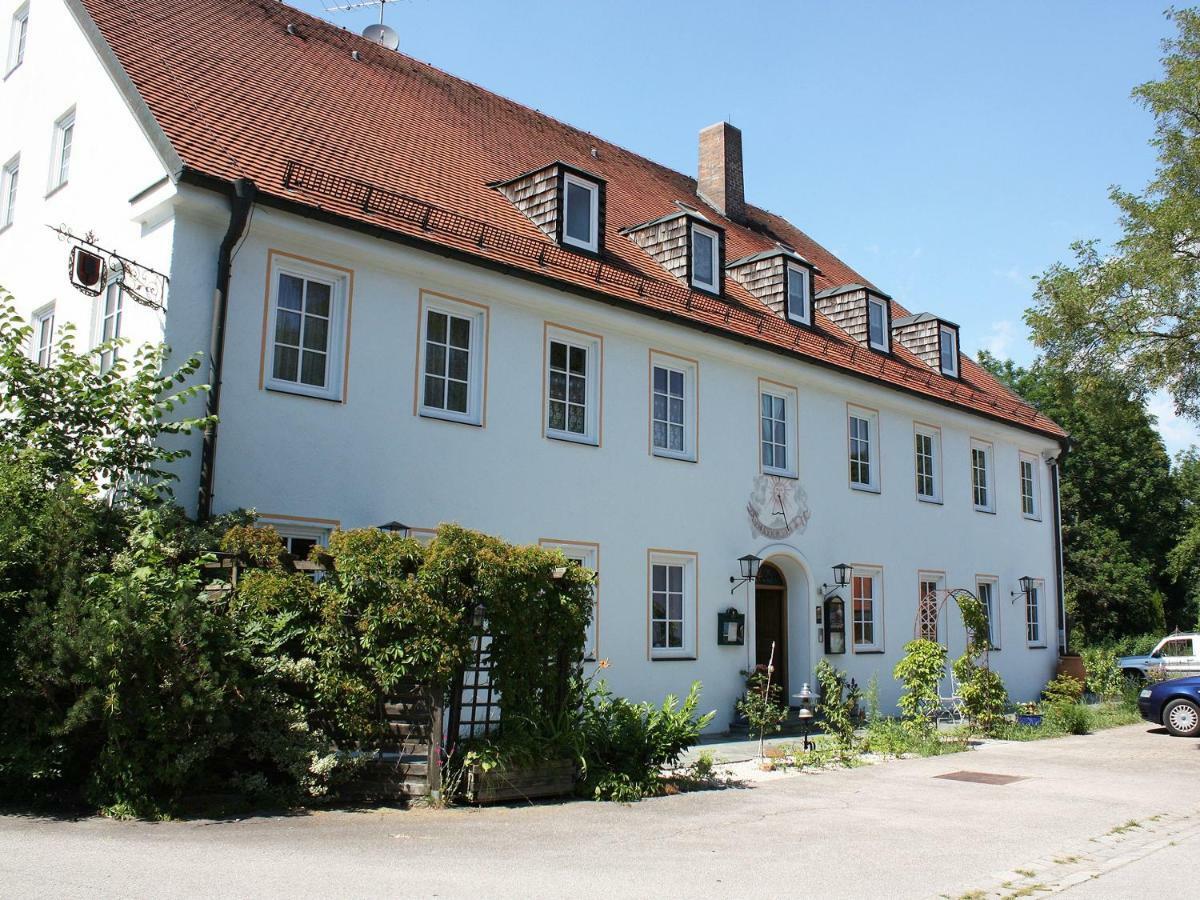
pixel 778 507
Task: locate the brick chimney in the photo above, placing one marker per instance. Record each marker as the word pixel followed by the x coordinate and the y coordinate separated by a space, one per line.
pixel 720 181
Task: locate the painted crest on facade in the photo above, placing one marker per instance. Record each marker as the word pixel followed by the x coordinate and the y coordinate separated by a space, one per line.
pixel 778 507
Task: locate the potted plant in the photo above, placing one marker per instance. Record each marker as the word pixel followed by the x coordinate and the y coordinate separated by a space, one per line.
pixel 1029 714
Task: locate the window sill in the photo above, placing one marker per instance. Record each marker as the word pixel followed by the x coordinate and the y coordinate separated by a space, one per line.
pixel 4 228
pixel 54 190
pixel 13 69
pixel 704 289
pixel 663 658
pixel 567 244
pixel 1036 646
pixel 453 419
pixel 932 501
pixel 796 320
pixel 664 454
pixel 568 438
pixel 780 473
pixel 1031 518
pixel 864 489
pixel 300 392
pixel 986 512
pixel 878 349
pixel 868 651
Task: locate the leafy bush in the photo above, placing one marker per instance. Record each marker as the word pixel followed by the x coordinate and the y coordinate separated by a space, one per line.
pixel 920 670
pixel 627 744
pixel 983 694
pixel 838 707
pixel 762 704
pixel 1104 676
pixel 1070 718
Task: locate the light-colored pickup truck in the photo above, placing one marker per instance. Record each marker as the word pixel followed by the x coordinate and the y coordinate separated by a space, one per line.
pixel 1175 656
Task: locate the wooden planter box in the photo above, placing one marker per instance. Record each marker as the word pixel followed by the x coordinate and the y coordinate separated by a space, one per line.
pixel 502 784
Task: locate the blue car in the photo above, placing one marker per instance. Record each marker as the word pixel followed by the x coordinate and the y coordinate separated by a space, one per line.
pixel 1173 704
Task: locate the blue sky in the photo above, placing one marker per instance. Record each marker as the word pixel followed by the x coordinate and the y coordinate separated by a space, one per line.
pixel 948 151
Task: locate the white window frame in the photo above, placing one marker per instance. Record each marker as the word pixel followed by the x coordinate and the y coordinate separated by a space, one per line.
pixel 884 345
pixel 477 316
pixel 804 317
pixel 10 183
pixel 949 366
pixel 101 319
pixel 594 201
pixel 790 398
pixel 289 531
pixel 335 344
pixel 691 406
pixel 18 36
pixel 992 609
pixel 872 419
pixel 690 605
pixel 1033 602
pixel 41 349
pixel 587 554
pixel 875 575
pixel 934 434
pixel 989 479
pixel 1034 513
pixel 715 286
pixel 62 150
pixel 593 346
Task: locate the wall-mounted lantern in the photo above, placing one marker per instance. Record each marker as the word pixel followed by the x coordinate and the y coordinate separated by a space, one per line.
pixel 1026 583
pixel 748 565
pixel 394 527
pixel 841 577
pixel 731 628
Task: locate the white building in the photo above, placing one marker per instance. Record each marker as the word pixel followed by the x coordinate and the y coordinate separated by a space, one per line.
pixel 427 303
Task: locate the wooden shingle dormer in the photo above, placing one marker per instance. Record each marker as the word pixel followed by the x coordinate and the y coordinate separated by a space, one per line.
pixel 688 246
pixel 565 202
pixel 781 278
pixel 862 312
pixel 934 340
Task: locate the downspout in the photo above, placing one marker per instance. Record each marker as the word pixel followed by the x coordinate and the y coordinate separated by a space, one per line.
pixel 241 199
pixel 1055 464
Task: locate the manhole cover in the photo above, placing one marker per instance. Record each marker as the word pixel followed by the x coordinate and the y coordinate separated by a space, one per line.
pixel 981 777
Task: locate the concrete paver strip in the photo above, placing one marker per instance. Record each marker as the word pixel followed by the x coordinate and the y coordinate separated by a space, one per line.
pixel 887 830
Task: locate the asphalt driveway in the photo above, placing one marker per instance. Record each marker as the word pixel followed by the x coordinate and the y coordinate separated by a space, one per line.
pixel 1087 813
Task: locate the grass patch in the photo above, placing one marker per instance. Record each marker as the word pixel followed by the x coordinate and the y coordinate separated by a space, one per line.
pixel 1066 860
pixel 1029 890
pixel 1128 826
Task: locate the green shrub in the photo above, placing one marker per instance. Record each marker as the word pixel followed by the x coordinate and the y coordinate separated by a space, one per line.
pixel 983 694
pixel 627 744
pixel 762 703
pixel 920 670
pixel 1103 676
pixel 838 708
pixel 1070 718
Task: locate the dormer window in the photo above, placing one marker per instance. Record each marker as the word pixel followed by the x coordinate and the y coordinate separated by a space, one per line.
pixel 948 347
pixel 799 294
pixel 706 262
pixel 581 213
pixel 877 324
pixel 565 203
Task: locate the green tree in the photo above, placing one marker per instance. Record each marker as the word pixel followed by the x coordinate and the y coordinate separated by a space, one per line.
pixel 1135 307
pixel 1184 558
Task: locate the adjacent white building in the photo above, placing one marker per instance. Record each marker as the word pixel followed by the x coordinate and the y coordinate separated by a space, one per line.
pixel 437 305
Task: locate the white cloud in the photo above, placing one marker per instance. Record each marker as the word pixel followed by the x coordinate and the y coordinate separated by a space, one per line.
pixel 1177 433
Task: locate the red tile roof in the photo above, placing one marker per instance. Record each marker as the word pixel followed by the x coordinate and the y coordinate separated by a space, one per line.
pixel 238 96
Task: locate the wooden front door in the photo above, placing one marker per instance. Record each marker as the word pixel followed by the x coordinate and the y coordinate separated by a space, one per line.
pixel 770 625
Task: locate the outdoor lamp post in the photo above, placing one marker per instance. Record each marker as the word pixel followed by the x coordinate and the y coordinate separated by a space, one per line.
pixel 841 577
pixel 394 527
pixel 748 565
pixel 805 715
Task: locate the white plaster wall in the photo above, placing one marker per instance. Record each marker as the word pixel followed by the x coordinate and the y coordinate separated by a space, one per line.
pixel 370 459
pixel 111 162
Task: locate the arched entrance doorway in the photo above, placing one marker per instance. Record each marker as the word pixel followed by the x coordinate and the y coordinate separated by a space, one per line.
pixel 771 621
